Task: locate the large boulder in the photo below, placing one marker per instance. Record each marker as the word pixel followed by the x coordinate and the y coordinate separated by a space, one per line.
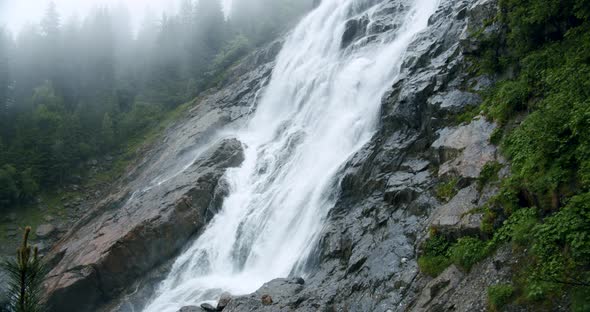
pixel 464 150
pixel 131 232
pixel 191 309
pixel 458 217
pixel 277 295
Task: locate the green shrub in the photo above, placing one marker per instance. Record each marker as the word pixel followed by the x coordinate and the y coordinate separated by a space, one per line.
pixel 489 173
pixel 543 109
pixel 433 265
pixel 509 98
pixel 518 228
pixel 499 296
pixel 468 251
pixel 447 190
pixel 562 244
pixel 434 259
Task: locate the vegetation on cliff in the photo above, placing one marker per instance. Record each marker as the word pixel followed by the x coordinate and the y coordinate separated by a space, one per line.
pixel 542 104
pixel 543 109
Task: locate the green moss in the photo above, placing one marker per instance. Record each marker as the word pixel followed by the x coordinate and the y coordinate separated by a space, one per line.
pixel 499 296
pixel 447 190
pixel 433 265
pixel 468 251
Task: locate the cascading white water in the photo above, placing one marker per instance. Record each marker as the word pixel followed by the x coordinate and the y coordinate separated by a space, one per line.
pixel 320 107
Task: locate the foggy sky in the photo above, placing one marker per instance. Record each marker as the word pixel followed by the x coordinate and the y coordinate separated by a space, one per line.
pixel 16 13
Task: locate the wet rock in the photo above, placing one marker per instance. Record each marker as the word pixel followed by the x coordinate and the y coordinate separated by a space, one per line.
pixel 464 150
pixel 297 280
pixel 224 300
pixel 455 101
pixel 208 307
pixel 350 30
pixel 280 293
pixel 127 235
pixel 435 293
pixel 455 290
pixel 353 29
pixel 457 218
pixel 190 309
pixel 45 230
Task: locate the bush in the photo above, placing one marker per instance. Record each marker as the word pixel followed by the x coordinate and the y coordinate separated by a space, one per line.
pixel 543 110
pixel 447 190
pixel 433 265
pixel 499 296
pixel 489 173
pixel 434 259
pixel 468 251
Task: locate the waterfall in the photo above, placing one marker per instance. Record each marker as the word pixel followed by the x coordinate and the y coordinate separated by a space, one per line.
pixel 320 107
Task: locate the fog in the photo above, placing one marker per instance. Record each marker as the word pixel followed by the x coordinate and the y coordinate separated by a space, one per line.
pixel 77 89
pixel 16 13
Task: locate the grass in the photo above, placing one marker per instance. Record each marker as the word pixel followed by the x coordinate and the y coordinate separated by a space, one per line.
pixel 468 251
pixel 499 296
pixel 433 266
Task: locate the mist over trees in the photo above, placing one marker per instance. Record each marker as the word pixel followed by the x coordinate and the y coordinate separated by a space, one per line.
pixel 78 88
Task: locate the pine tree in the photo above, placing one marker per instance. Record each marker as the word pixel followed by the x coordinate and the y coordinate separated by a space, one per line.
pixel 25 277
pixel 50 22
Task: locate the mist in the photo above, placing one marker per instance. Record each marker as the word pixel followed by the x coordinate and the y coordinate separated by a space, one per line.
pixel 14 14
pixel 80 80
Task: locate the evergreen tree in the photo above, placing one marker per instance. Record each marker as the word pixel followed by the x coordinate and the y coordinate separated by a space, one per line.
pixel 25 274
pixel 50 22
pixel 61 84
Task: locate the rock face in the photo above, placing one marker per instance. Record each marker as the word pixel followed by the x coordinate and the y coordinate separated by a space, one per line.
pixel 165 199
pixel 465 149
pixel 124 243
pixel 276 295
pixel 455 218
pixel 365 259
pixel 455 290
